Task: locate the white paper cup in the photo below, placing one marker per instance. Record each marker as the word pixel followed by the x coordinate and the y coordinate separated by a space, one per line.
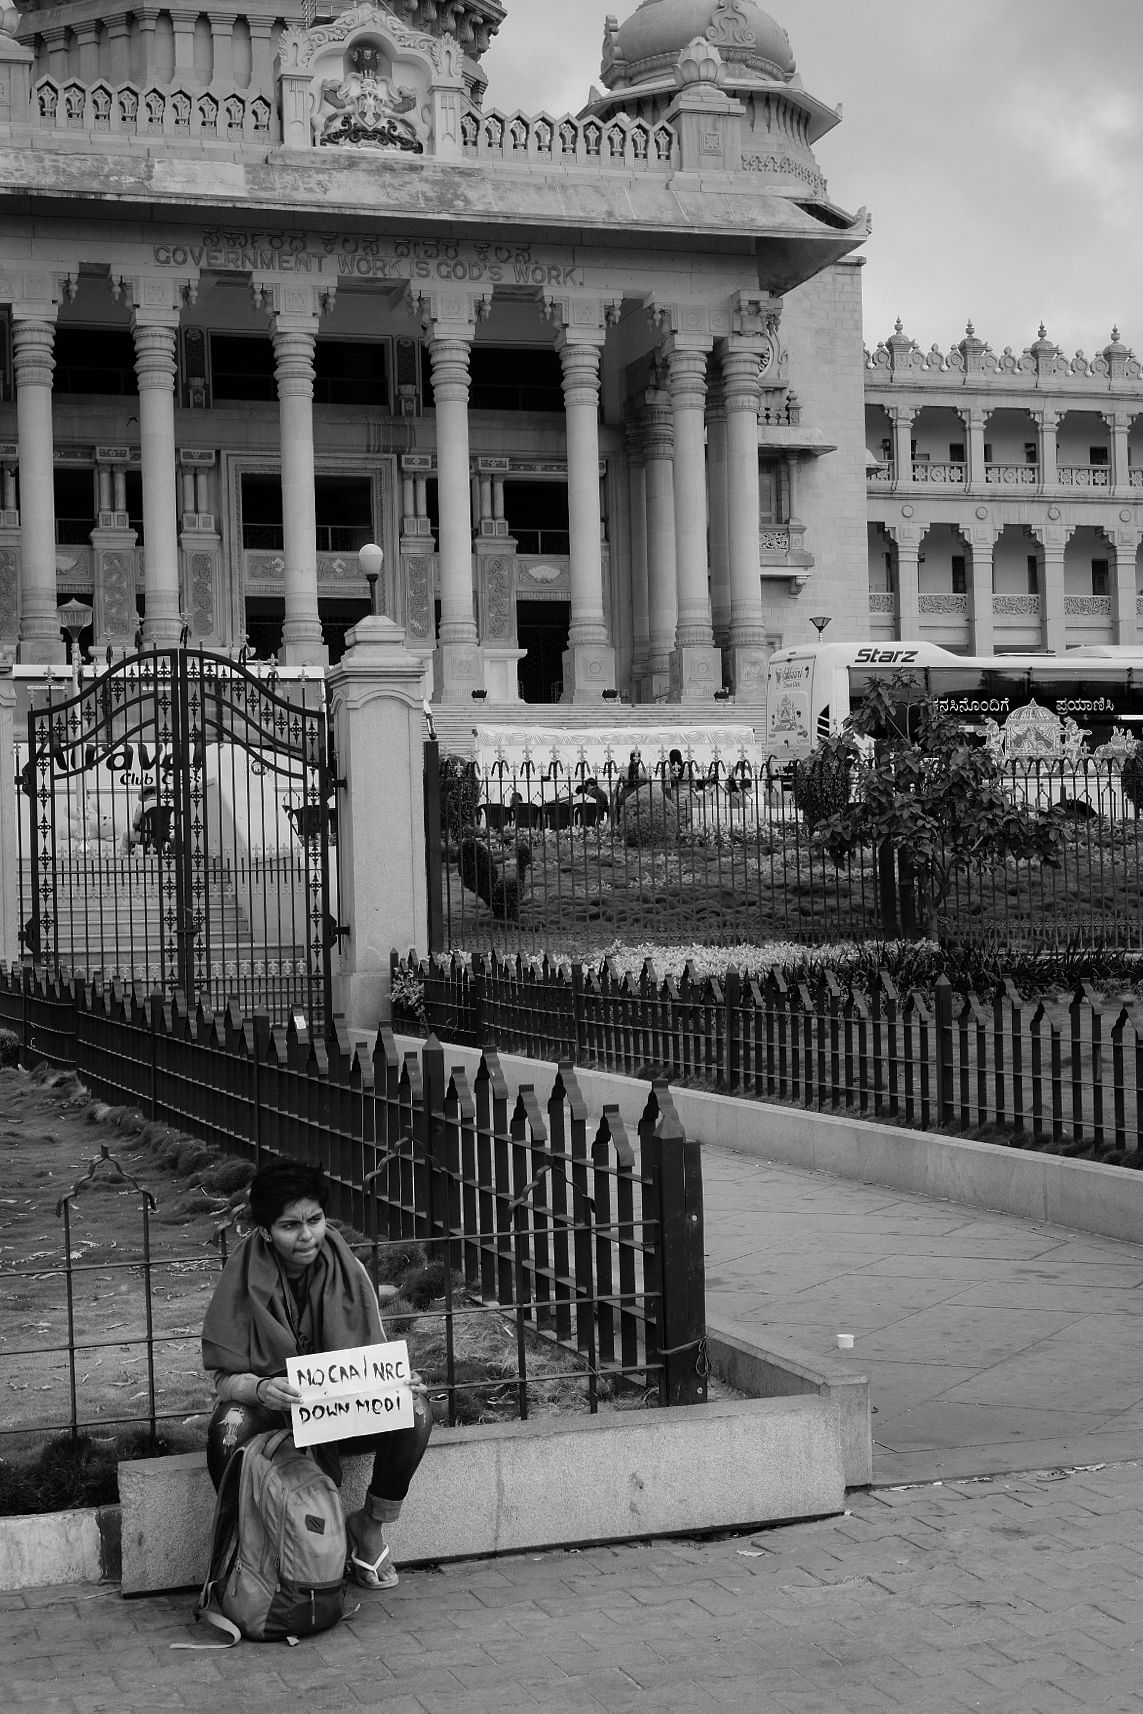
pixel 845 1341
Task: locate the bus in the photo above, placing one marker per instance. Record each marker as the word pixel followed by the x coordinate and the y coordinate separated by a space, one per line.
pixel 1071 708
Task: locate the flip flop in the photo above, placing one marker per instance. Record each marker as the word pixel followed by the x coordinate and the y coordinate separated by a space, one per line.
pixel 375 1575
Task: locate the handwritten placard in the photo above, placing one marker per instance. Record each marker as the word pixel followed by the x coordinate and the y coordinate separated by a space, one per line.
pixel 363 1390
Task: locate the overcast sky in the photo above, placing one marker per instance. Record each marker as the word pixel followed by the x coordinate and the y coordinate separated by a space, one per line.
pixel 997 143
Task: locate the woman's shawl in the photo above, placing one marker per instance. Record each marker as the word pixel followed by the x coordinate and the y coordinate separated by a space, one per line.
pixel 248 1327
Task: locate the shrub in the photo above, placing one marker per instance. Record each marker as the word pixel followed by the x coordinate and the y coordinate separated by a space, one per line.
pixel 650 818
pixel 823 784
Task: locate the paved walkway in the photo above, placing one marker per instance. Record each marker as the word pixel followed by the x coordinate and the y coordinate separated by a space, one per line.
pixel 1015 1596
pixel 991 1345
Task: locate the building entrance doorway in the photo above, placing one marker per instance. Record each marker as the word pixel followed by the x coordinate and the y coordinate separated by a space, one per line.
pixel 542 629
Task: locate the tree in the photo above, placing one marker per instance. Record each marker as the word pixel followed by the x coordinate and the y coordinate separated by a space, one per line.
pixel 926 792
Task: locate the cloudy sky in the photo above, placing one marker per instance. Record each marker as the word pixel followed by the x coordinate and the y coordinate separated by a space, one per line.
pixel 997 143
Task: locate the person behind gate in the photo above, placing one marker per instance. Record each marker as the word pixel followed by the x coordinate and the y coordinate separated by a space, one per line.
pixel 294 1287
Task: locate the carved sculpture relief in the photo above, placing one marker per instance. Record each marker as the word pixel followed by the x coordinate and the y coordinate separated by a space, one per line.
pixel 497 593
pixel 9 600
pixel 418 596
pixel 367 110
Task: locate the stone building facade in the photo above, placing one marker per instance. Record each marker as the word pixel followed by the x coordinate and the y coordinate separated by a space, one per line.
pixel 1005 494
pixel 276 284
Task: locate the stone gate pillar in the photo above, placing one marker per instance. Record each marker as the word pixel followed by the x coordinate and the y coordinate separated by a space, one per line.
pixel 375 696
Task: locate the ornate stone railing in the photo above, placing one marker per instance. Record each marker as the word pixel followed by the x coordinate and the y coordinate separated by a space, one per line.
pixel 1012 475
pixel 882 472
pixel 625 145
pixel 1083 476
pixel 882 601
pixel 266 567
pixel 945 473
pixel 1135 477
pixel 943 604
pixel 160 110
pixel 1024 606
pixel 774 541
pixel 1088 605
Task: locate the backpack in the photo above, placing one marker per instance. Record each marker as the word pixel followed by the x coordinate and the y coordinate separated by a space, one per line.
pixel 278 1547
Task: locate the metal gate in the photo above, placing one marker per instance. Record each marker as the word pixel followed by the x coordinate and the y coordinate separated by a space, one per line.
pixel 177 826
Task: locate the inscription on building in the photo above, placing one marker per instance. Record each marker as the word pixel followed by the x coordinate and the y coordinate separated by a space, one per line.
pixel 342 254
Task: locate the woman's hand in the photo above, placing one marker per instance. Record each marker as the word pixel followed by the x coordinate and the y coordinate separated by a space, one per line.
pixel 276 1393
pixel 416 1386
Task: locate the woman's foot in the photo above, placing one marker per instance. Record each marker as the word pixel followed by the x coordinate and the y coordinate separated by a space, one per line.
pixel 370 1562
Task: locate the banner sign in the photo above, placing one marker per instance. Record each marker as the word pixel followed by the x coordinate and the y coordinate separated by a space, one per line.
pixel 363 1390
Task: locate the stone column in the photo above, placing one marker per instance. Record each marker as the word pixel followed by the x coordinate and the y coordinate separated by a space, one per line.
pixel 662 578
pixel 114 542
pixel 741 366
pixel 717 487
pixel 1124 605
pixel 589 660
pixel 222 35
pixel 201 547
pixel 294 371
pixel 375 694
pixel 156 338
pixel 901 417
pixel 908 581
pixel 1053 620
pixel 1119 422
pixel 977 471
pixel 182 23
pixel 1047 422
pixel 696 668
pixel 11 806
pixel 983 628
pixel 33 337
pixel 495 552
pixel 414 591
pixel 450 320
pixel 640 602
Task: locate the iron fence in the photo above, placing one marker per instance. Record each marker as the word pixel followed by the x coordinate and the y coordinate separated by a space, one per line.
pixel 1064 1072
pixel 176 827
pixel 545 859
pixel 579 1237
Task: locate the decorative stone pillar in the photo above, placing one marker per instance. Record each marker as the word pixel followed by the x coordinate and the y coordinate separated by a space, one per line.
pixel 741 369
pixel 33 337
pixel 908 581
pixel 1124 605
pixel 496 584
pixel 450 319
pixel 1119 422
pixel 980 599
pixel 589 661
pixel 114 544
pixel 977 420
pixel 375 694
pixel 640 602
pixel 696 667
pixel 1053 619
pixel 901 417
pixel 201 545
pixel 182 24
pixel 662 577
pixel 416 587
pixel 294 350
pixel 17 63
pixel 156 342
pixel 9 548
pixel 718 499
pixel 1047 422
pixel 296 313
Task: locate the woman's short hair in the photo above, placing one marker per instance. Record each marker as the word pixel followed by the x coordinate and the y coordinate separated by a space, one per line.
pixel 275 1186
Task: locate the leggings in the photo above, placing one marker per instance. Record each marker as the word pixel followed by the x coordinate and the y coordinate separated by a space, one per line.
pixel 395 1455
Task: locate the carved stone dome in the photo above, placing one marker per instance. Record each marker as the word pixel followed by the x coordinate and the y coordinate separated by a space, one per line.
pixel 652 39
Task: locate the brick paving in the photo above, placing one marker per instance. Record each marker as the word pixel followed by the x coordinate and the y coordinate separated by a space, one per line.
pixel 1015 1594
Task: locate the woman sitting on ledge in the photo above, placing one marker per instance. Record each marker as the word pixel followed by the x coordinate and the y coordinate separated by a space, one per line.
pixel 291 1288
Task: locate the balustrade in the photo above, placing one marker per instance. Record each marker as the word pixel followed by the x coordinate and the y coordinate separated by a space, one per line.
pixel 159 110
pixel 948 472
pixel 1012 475
pixel 622 144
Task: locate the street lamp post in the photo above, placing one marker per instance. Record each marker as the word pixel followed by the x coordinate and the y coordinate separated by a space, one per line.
pixel 371 558
pixel 820 622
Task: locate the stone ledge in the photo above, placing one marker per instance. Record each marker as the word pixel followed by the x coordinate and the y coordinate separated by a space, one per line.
pixel 557 1482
